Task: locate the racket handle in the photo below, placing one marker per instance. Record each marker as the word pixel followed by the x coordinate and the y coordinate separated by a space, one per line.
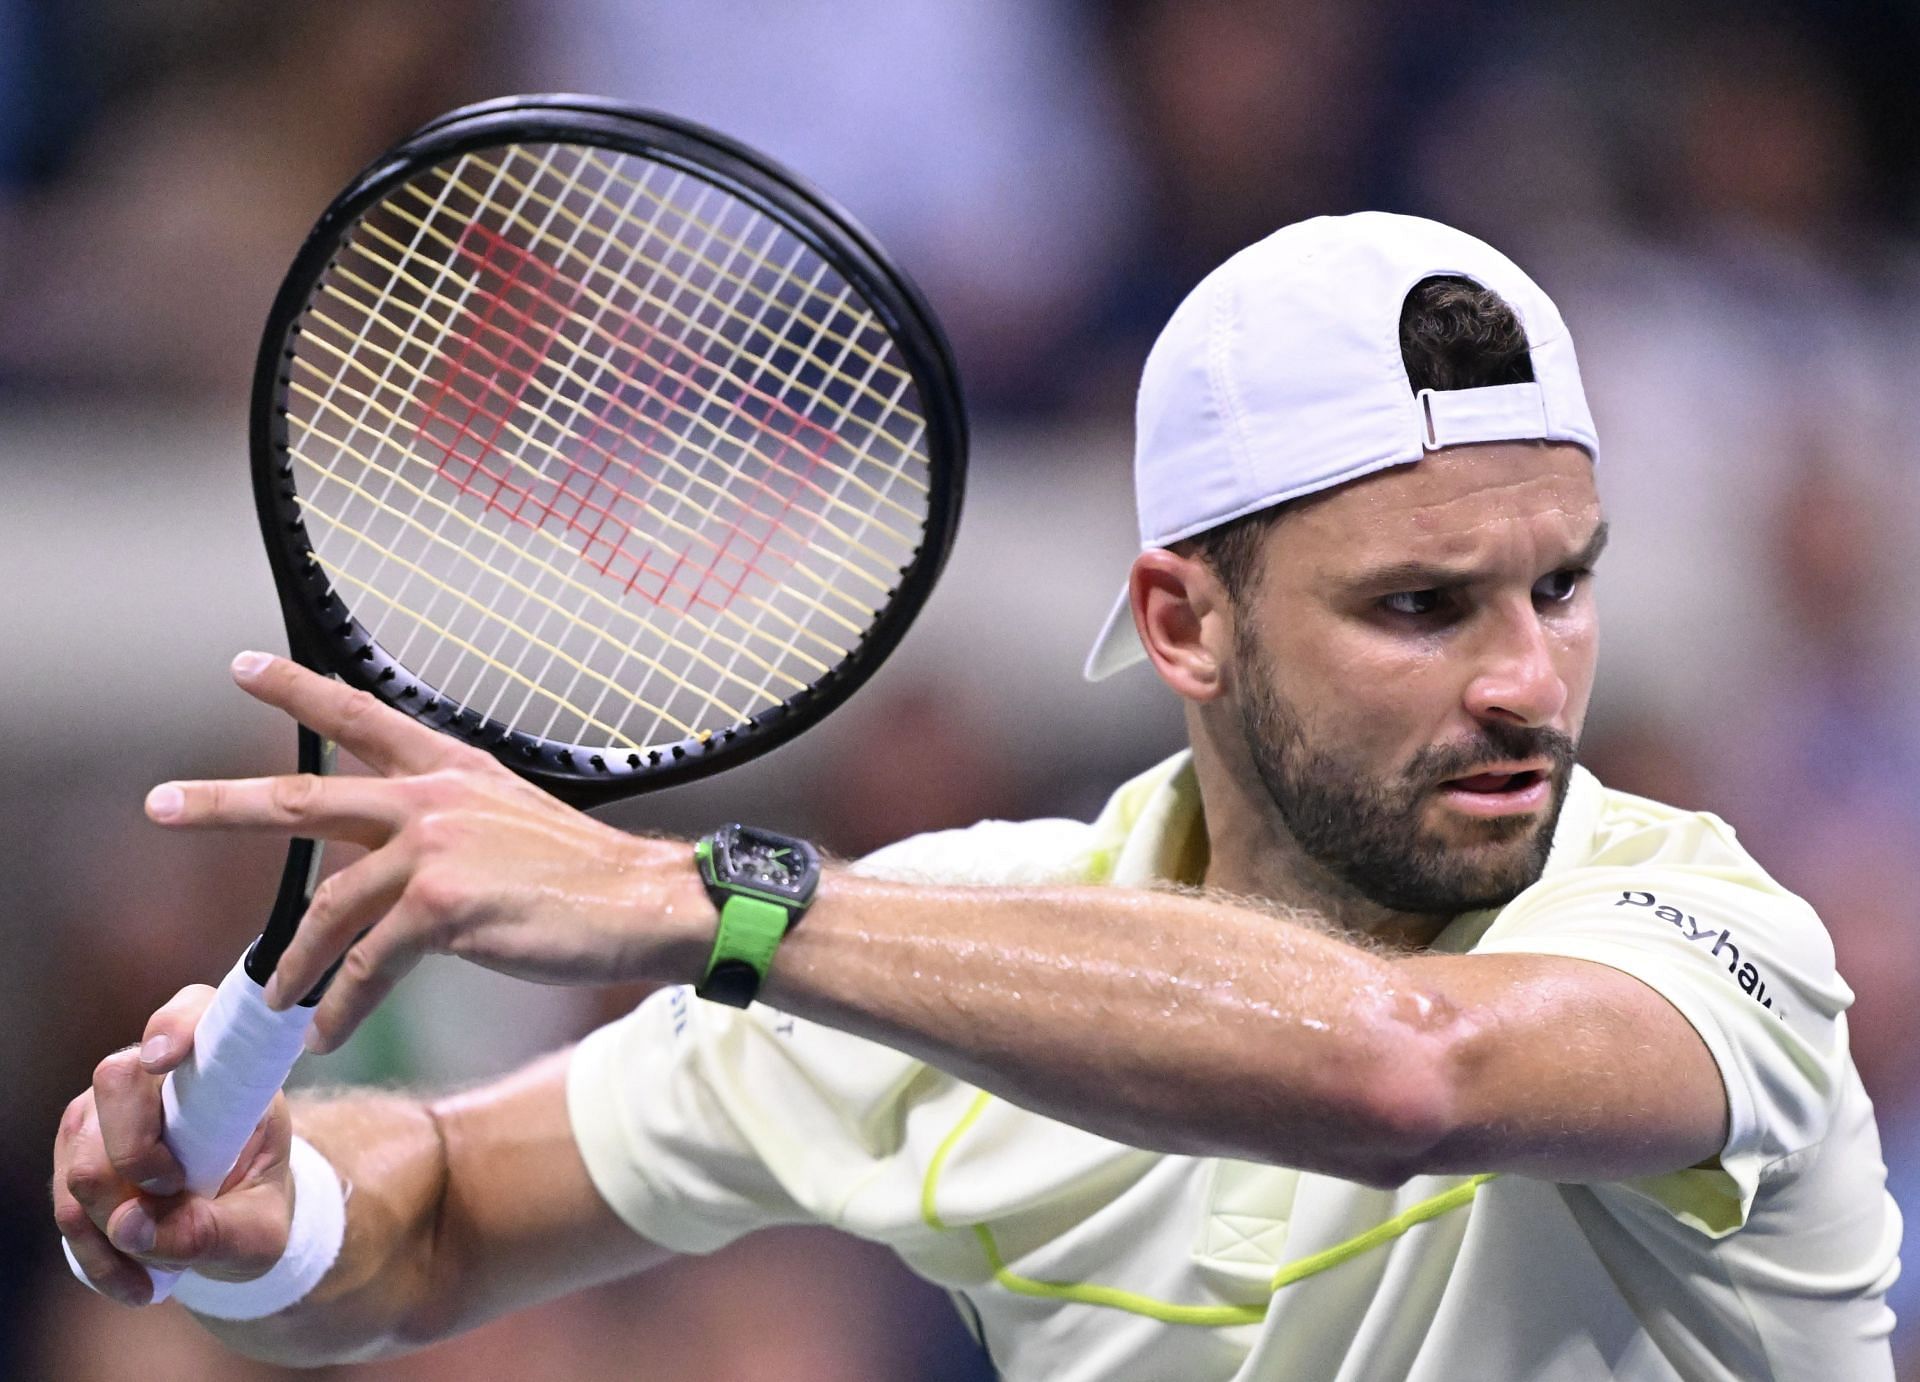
pixel 242 1053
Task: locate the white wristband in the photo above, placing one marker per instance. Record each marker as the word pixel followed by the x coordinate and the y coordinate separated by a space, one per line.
pixel 313 1243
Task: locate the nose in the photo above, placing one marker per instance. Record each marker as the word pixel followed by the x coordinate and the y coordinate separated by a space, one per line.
pixel 1516 677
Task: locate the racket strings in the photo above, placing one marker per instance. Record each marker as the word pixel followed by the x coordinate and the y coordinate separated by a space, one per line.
pixel 529 592
pixel 380 588
pixel 501 419
pixel 718 235
pixel 614 612
pixel 705 299
pixel 345 359
pixel 694 535
pixel 614 341
pixel 616 502
pixel 511 393
pixel 506 622
pixel 734 476
pixel 859 390
pixel 352 358
pixel 400 598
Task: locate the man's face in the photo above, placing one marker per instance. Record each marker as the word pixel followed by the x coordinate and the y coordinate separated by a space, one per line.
pixel 1412 668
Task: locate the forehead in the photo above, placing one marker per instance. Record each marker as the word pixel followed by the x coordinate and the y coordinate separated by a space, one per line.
pixel 1458 502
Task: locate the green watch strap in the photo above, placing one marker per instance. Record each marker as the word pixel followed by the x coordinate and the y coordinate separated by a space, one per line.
pixel 750 930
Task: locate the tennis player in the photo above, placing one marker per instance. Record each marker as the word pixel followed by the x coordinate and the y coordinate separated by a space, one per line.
pixel 1369 1038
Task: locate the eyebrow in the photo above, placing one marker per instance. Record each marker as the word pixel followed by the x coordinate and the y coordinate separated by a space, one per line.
pixel 1421 575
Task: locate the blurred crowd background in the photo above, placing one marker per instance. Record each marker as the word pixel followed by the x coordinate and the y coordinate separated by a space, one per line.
pixel 1724 198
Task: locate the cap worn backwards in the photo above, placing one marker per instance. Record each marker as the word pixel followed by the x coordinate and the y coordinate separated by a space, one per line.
pixel 1281 375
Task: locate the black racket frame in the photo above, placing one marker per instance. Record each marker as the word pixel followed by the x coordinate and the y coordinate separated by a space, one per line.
pixel 324 635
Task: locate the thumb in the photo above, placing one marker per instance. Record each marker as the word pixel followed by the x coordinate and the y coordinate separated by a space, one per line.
pixel 242 1231
pixel 169 1033
pixel 235 1237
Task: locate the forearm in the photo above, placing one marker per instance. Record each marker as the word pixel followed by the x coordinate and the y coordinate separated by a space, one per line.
pixel 1164 1020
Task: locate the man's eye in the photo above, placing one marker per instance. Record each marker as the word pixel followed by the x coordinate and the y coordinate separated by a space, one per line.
pixel 1412 602
pixel 1558 588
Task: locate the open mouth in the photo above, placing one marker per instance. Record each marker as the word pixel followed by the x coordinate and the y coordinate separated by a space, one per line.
pixel 1498 793
pixel 1489 783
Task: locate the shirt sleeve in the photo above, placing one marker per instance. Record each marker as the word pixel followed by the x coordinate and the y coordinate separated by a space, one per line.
pixel 699 1122
pixel 1750 967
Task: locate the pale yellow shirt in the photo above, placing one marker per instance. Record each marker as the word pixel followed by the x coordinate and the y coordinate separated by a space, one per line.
pixel 1077 1258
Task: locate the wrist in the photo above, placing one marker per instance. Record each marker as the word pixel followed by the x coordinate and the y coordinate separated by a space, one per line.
pixel 314 1238
pixel 671 893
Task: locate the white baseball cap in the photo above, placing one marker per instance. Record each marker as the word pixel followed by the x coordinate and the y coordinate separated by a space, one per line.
pixel 1281 375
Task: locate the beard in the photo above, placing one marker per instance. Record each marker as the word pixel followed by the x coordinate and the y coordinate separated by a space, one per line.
pixel 1369 834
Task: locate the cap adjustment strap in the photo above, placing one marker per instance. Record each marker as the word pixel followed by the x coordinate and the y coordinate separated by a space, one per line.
pixel 1499 412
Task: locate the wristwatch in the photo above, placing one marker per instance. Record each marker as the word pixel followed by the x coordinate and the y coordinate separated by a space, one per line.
pixel 761 883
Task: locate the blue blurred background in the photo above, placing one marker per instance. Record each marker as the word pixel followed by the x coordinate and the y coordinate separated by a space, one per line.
pixel 1724 198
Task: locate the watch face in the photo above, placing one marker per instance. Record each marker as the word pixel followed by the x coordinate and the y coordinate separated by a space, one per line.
pixel 767 862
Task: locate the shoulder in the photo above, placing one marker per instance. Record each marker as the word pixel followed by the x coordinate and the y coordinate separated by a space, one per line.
pixel 1672 898
pixel 1643 862
pixel 1626 830
pixel 1150 811
pixel 991 852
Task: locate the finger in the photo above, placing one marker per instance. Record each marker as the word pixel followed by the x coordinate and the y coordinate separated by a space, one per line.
pixel 87 1171
pixel 380 736
pixel 377 961
pixel 361 810
pixel 131 1227
pixel 234 1237
pixel 111 1273
pixel 127 1103
pixel 72 1119
pixel 345 904
pixel 169 1033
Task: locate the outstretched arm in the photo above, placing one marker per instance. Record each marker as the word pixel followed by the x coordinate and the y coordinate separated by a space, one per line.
pixel 1186 1023
pixel 460 1209
pixel 1203 1026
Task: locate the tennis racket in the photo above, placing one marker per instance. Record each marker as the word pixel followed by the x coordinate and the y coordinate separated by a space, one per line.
pixel 592 438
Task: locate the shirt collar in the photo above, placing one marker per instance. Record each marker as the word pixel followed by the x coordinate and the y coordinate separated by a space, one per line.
pixel 1152 830
pixel 1152 833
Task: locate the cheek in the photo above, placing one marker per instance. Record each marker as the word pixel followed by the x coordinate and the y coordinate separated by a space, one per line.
pixel 1373 701
pixel 1578 654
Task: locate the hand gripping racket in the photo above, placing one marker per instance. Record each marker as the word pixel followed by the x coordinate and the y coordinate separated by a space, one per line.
pixel 597 440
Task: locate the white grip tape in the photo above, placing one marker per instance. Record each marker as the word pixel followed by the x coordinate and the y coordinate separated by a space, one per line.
pixel 242 1053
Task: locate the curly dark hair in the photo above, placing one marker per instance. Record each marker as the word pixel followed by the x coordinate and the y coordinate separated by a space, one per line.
pixel 1454 334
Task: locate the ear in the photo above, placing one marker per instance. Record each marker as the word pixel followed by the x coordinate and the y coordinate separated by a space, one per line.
pixel 1184 620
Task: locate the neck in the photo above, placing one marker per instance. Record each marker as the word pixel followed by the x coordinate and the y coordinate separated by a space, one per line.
pixel 1251 853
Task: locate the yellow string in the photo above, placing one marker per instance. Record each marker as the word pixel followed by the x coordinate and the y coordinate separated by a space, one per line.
pixel 1171 1312
pixel 403 284
pixel 714 231
pixel 677 242
pixel 337 575
pixel 346 447
pixel 360 345
pixel 694 417
pixel 358 425
pixel 537 235
pixel 333 521
pixel 308 502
